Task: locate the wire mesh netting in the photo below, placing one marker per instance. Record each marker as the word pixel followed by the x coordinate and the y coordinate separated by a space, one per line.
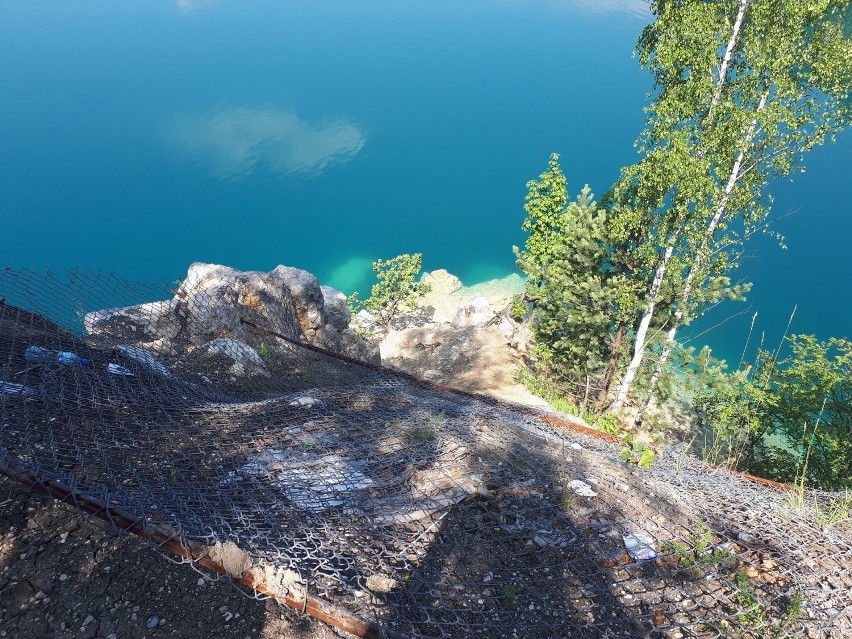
pixel 409 509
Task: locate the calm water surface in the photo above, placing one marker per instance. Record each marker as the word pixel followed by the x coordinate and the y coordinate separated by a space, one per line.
pixel 138 137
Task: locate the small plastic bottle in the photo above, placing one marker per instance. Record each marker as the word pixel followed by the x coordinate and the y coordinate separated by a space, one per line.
pixel 41 355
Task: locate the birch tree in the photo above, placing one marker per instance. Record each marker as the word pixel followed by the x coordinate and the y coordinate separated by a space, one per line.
pixel 742 89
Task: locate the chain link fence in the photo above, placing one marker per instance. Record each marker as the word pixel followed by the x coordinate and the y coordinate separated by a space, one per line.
pixel 389 507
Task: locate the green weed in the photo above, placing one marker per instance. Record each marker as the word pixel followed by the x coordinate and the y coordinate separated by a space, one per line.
pixel 697 550
pixel 638 454
pixel 263 351
pixel 750 611
pixel 422 434
pixel 510 594
pixel 836 511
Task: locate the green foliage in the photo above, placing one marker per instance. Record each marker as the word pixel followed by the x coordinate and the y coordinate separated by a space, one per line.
pixel 555 393
pixel 577 294
pixel 836 512
pixel 758 619
pixel 545 206
pixel 812 410
pixel 795 609
pixel 830 512
pixel 786 419
pixel 549 389
pixel 637 454
pixel 395 290
pixel 608 423
pixel 422 434
pixel 510 594
pixel 263 351
pixel 697 550
pixel 750 611
pixel 741 91
pixel 354 303
pixel 429 431
pixel 519 308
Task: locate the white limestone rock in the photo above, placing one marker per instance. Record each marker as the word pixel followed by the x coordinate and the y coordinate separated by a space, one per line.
pixel 475 313
pixel 336 309
pixel 143 322
pixel 230 357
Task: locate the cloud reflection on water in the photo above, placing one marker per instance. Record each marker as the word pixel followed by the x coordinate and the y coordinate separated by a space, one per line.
pixel 637 8
pixel 233 142
pixel 634 8
pixel 191 6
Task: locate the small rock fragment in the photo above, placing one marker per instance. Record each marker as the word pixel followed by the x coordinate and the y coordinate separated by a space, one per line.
pixel 581 488
pixel 381 583
pixel 306 402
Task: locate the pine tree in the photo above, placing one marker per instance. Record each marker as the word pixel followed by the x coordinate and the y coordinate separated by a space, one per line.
pixel 578 296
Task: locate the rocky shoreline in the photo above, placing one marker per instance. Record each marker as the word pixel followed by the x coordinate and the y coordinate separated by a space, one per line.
pixel 459 336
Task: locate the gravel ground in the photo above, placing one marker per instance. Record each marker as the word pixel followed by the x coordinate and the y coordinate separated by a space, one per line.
pixel 64 576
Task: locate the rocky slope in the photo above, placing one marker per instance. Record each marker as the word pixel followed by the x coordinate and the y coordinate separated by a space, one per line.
pixel 463 337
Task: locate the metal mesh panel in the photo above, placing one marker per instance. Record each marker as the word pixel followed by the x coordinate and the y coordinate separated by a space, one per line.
pixel 391 507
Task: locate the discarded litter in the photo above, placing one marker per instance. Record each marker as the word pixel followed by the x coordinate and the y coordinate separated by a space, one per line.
pixel 41 355
pixel 145 358
pixel 11 389
pixel 313 483
pixel 640 546
pixel 115 369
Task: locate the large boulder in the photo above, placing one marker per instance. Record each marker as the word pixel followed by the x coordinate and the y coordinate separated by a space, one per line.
pixel 213 314
pixel 442 283
pixel 475 313
pixel 217 308
pixel 306 295
pixel 140 323
pixel 466 340
pixel 480 350
pixel 257 297
pixel 337 310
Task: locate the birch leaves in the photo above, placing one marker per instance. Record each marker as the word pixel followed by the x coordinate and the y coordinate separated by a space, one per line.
pixel 742 89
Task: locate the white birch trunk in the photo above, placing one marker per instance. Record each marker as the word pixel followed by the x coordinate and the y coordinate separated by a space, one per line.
pixel 726 59
pixel 639 349
pixel 642 331
pixel 686 295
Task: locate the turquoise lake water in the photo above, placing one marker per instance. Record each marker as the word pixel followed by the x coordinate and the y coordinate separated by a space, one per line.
pixel 138 137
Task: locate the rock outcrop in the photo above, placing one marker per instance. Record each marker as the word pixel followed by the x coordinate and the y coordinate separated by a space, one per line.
pixel 213 314
pixel 459 336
